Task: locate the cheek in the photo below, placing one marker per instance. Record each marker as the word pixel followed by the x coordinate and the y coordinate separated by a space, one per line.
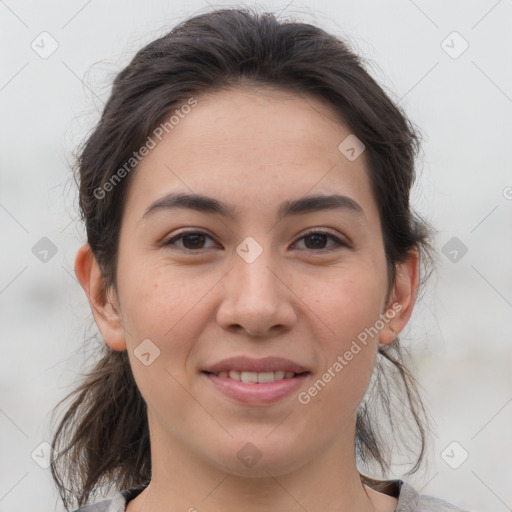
pixel 347 304
pixel 166 306
pixel 346 315
pixel 158 302
pixel 348 361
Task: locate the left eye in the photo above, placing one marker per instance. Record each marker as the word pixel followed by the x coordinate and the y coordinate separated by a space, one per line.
pixel 320 237
pixel 195 240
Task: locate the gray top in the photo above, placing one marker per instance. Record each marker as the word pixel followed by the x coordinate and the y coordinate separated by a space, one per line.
pixel 408 500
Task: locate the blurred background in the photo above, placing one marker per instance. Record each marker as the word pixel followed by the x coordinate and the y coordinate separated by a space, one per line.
pixel 446 63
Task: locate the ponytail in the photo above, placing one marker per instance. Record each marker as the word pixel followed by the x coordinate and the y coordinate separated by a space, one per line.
pixel 103 437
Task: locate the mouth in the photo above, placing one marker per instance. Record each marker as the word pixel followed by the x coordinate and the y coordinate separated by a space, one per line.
pixel 250 381
pixel 251 369
pixel 256 377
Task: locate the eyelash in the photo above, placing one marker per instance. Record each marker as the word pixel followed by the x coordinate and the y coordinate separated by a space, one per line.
pixel 183 234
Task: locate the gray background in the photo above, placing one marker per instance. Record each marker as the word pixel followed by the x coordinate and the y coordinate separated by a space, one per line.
pixel 460 331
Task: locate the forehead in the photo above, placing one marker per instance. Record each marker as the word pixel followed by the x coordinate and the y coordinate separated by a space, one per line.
pixel 252 148
pixel 253 119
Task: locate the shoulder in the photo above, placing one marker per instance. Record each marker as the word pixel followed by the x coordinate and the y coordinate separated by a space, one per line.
pixel 411 501
pixel 115 504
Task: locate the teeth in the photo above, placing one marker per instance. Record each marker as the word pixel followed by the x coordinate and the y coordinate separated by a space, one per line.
pixel 249 377
pixel 266 377
pixel 255 377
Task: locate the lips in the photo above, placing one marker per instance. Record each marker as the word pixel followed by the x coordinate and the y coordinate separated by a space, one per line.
pixel 242 364
pixel 256 377
pixel 256 381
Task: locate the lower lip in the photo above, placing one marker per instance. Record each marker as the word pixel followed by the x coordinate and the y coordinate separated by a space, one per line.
pixel 260 393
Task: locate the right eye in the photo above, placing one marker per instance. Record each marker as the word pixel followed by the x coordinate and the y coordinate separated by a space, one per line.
pixel 191 241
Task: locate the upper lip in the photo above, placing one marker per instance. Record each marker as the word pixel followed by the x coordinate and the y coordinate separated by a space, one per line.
pixel 248 364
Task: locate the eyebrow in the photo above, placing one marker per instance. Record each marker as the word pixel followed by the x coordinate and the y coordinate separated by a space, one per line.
pixel 205 204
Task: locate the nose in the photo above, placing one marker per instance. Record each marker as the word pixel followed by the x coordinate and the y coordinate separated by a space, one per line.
pixel 256 299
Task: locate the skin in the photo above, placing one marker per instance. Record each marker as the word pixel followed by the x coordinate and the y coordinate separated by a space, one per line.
pixel 252 148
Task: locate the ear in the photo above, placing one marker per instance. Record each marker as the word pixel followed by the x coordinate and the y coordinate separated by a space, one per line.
pixel 402 298
pixel 105 311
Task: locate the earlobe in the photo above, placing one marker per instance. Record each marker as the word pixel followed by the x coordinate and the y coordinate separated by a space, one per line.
pixel 106 312
pixel 402 297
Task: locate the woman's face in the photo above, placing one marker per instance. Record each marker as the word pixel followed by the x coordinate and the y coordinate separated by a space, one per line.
pixel 198 285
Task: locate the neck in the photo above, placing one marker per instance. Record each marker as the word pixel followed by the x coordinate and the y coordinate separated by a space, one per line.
pixel 328 482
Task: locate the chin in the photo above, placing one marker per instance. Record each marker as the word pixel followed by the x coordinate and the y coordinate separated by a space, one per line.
pixel 254 456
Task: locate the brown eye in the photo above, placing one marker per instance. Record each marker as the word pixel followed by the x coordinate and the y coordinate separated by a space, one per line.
pixel 318 239
pixel 194 241
pixel 190 240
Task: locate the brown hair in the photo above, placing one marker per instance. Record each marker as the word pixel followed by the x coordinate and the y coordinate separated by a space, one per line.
pixel 103 439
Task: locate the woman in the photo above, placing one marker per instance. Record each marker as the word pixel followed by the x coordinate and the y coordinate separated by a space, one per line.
pixel 251 258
